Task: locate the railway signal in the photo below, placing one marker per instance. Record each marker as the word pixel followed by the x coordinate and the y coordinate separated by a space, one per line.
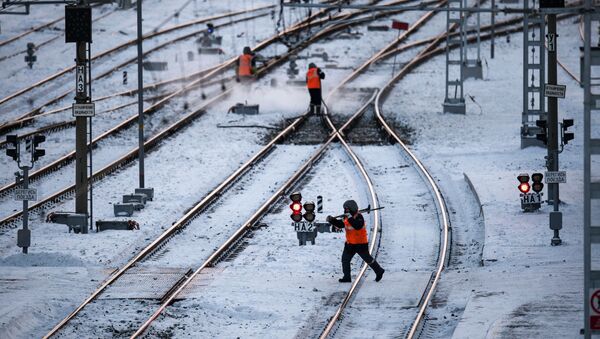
pixel 24 192
pixel 523 183
pixel 12 148
pixel 36 152
pixel 530 201
pixel 566 136
pixel 30 58
pixel 296 206
pixel 309 207
pixel 543 136
pixel 537 185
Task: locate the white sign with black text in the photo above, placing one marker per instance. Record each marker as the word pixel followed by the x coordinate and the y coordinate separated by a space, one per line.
pixel 26 194
pixel 555 91
pixel 556 177
pixel 80 79
pixel 84 110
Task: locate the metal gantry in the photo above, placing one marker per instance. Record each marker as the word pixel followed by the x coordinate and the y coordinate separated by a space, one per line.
pixel 591 148
pixel 534 75
pixel 454 101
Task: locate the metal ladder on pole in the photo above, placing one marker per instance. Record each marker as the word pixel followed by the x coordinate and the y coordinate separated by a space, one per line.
pixel 89 148
pixel 534 75
pixel 591 189
pixel 454 59
pixel 472 67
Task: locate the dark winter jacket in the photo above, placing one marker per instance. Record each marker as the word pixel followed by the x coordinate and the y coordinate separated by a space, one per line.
pixel 356 221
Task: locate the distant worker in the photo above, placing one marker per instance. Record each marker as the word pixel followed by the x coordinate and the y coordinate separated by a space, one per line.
pixel 313 83
pixel 356 240
pixel 246 65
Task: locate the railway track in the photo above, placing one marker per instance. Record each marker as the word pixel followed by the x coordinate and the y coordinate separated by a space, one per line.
pixel 18 121
pixel 192 213
pixel 62 194
pixel 130 156
pixel 336 134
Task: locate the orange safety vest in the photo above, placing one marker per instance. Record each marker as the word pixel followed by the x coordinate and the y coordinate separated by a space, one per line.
pixel 245 68
pixel 312 78
pixel 355 236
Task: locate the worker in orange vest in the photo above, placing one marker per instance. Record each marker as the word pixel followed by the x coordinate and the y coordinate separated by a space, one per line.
pixel 246 65
pixel 313 83
pixel 356 240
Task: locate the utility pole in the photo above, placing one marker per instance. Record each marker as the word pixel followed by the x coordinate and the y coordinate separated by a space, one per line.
pixel 552 123
pixel 81 97
pixel 78 29
pixel 140 94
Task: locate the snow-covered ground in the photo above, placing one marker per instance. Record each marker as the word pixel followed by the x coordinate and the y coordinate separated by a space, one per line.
pixel 504 279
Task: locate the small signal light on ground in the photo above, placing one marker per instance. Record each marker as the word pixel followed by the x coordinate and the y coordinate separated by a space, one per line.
pixel 537 185
pixel 309 207
pixel 296 206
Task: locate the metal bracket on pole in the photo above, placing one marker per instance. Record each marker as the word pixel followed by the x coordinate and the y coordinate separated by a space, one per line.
pixel 534 76
pixel 454 60
pixel 472 67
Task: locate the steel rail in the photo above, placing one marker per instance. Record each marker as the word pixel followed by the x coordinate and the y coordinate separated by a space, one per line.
pixel 443 215
pixel 44 43
pixel 264 208
pixel 35 29
pixel 150 248
pixel 442 209
pixel 375 232
pixel 175 227
pixel 23 119
pixel 335 134
pixel 129 43
pixel 153 108
pixel 7 125
pixel 69 157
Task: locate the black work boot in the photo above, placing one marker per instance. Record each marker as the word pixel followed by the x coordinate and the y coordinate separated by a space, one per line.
pixel 345 280
pixel 378 270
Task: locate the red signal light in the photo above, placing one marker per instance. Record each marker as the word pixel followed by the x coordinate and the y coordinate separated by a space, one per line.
pixel 296 206
pixel 524 187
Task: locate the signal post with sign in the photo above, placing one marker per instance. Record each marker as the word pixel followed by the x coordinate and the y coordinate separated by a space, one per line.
pixel 25 193
pixel 78 29
pixel 307 229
